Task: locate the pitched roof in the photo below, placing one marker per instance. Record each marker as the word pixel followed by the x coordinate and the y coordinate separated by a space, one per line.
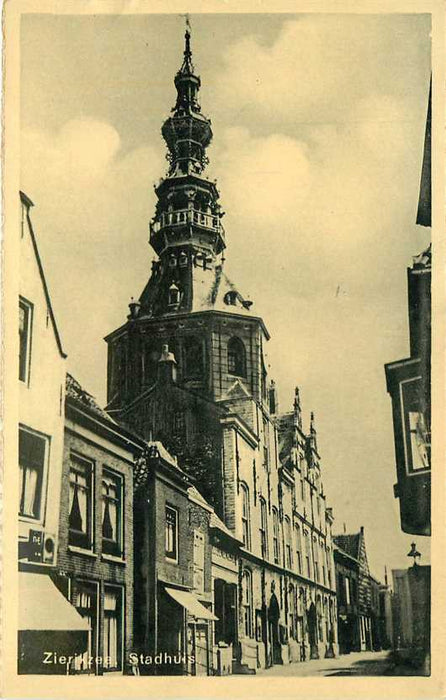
pixel 349 543
pixel 28 203
pixel 77 393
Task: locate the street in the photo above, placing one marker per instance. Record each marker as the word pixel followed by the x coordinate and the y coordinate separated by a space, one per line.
pixel 368 663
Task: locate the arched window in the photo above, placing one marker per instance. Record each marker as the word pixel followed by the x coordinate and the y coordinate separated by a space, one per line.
pixel 193 358
pixel 174 296
pixel 247 602
pixel 276 540
pixel 263 528
pixel 236 357
pixel 288 547
pixel 245 516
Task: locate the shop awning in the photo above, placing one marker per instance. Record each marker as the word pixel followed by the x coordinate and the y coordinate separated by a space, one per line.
pixel 191 604
pixel 43 607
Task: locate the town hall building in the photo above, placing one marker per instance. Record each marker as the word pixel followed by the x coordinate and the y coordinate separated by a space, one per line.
pixel 187 370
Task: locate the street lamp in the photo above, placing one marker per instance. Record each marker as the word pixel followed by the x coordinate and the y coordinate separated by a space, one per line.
pixel 414 553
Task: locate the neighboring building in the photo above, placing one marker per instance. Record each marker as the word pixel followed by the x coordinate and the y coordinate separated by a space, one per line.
pixel 95 557
pixel 185 565
pixel 409 381
pixel 357 619
pixel 411 608
pixel 347 591
pixel 41 374
pixel 211 403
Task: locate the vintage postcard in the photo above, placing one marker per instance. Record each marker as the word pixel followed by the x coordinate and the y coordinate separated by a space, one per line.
pixel 223 252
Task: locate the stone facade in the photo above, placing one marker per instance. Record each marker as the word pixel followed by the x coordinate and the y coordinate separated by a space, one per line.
pixel 188 369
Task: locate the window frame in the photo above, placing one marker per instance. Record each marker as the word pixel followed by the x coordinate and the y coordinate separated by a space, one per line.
pixel 42 477
pixel 288 543
pixel 77 538
pixel 246 515
pixel 116 547
pixel 168 556
pixel 236 357
pixel 121 627
pixel 276 535
pixel 26 363
pixel 247 605
pixel 298 538
pixel 263 527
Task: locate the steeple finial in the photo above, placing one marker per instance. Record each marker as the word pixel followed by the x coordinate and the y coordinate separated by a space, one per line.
pixel 187 66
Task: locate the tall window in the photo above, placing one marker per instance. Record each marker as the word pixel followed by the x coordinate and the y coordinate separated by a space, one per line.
pixel 308 554
pixel 245 516
pixel 298 538
pixel 171 533
pixel 347 590
pixel 151 357
pixel 247 602
pixel 292 607
pixel 288 543
pixel 341 589
pixel 81 502
pixel 193 358
pixel 25 322
pixel 113 628
pixel 84 597
pixel 236 357
pixel 32 455
pixel 276 540
pixel 316 559
pixel 263 528
pixel 112 504
pixel 198 561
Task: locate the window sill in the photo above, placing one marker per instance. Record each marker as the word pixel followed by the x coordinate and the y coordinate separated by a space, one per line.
pixel 113 559
pixel 169 560
pixel 84 552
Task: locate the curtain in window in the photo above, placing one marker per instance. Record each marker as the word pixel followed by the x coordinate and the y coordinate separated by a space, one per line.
pixel 111 628
pixel 28 490
pixel 79 494
pixel 85 602
pixel 110 499
pixel 31 463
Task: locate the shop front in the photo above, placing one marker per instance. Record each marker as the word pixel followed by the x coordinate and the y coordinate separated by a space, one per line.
pixel 52 635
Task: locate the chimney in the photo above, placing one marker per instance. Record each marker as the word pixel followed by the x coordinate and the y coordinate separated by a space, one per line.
pixel 167 367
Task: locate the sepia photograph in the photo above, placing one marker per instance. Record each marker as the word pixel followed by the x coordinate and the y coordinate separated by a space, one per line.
pixel 223 231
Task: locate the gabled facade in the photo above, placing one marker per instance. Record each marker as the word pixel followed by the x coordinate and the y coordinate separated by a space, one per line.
pixel 188 368
pixel 41 372
pixel 358 595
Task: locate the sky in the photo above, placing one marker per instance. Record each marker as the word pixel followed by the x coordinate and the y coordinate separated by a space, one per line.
pixel 318 124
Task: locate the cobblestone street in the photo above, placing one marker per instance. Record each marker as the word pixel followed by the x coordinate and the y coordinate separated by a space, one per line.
pixel 356 664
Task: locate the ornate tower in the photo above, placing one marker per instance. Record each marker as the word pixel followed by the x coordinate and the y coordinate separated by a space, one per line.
pixel 188 303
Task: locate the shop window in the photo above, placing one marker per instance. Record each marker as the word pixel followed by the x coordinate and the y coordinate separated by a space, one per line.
pixel 84 597
pixel 193 358
pixel 246 516
pixel 288 545
pixel 263 528
pixel 81 502
pixel 247 602
pixel 112 506
pixel 171 534
pixel 113 619
pixel 198 561
pixel 32 457
pixel 276 541
pixel 236 357
pixel 25 325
